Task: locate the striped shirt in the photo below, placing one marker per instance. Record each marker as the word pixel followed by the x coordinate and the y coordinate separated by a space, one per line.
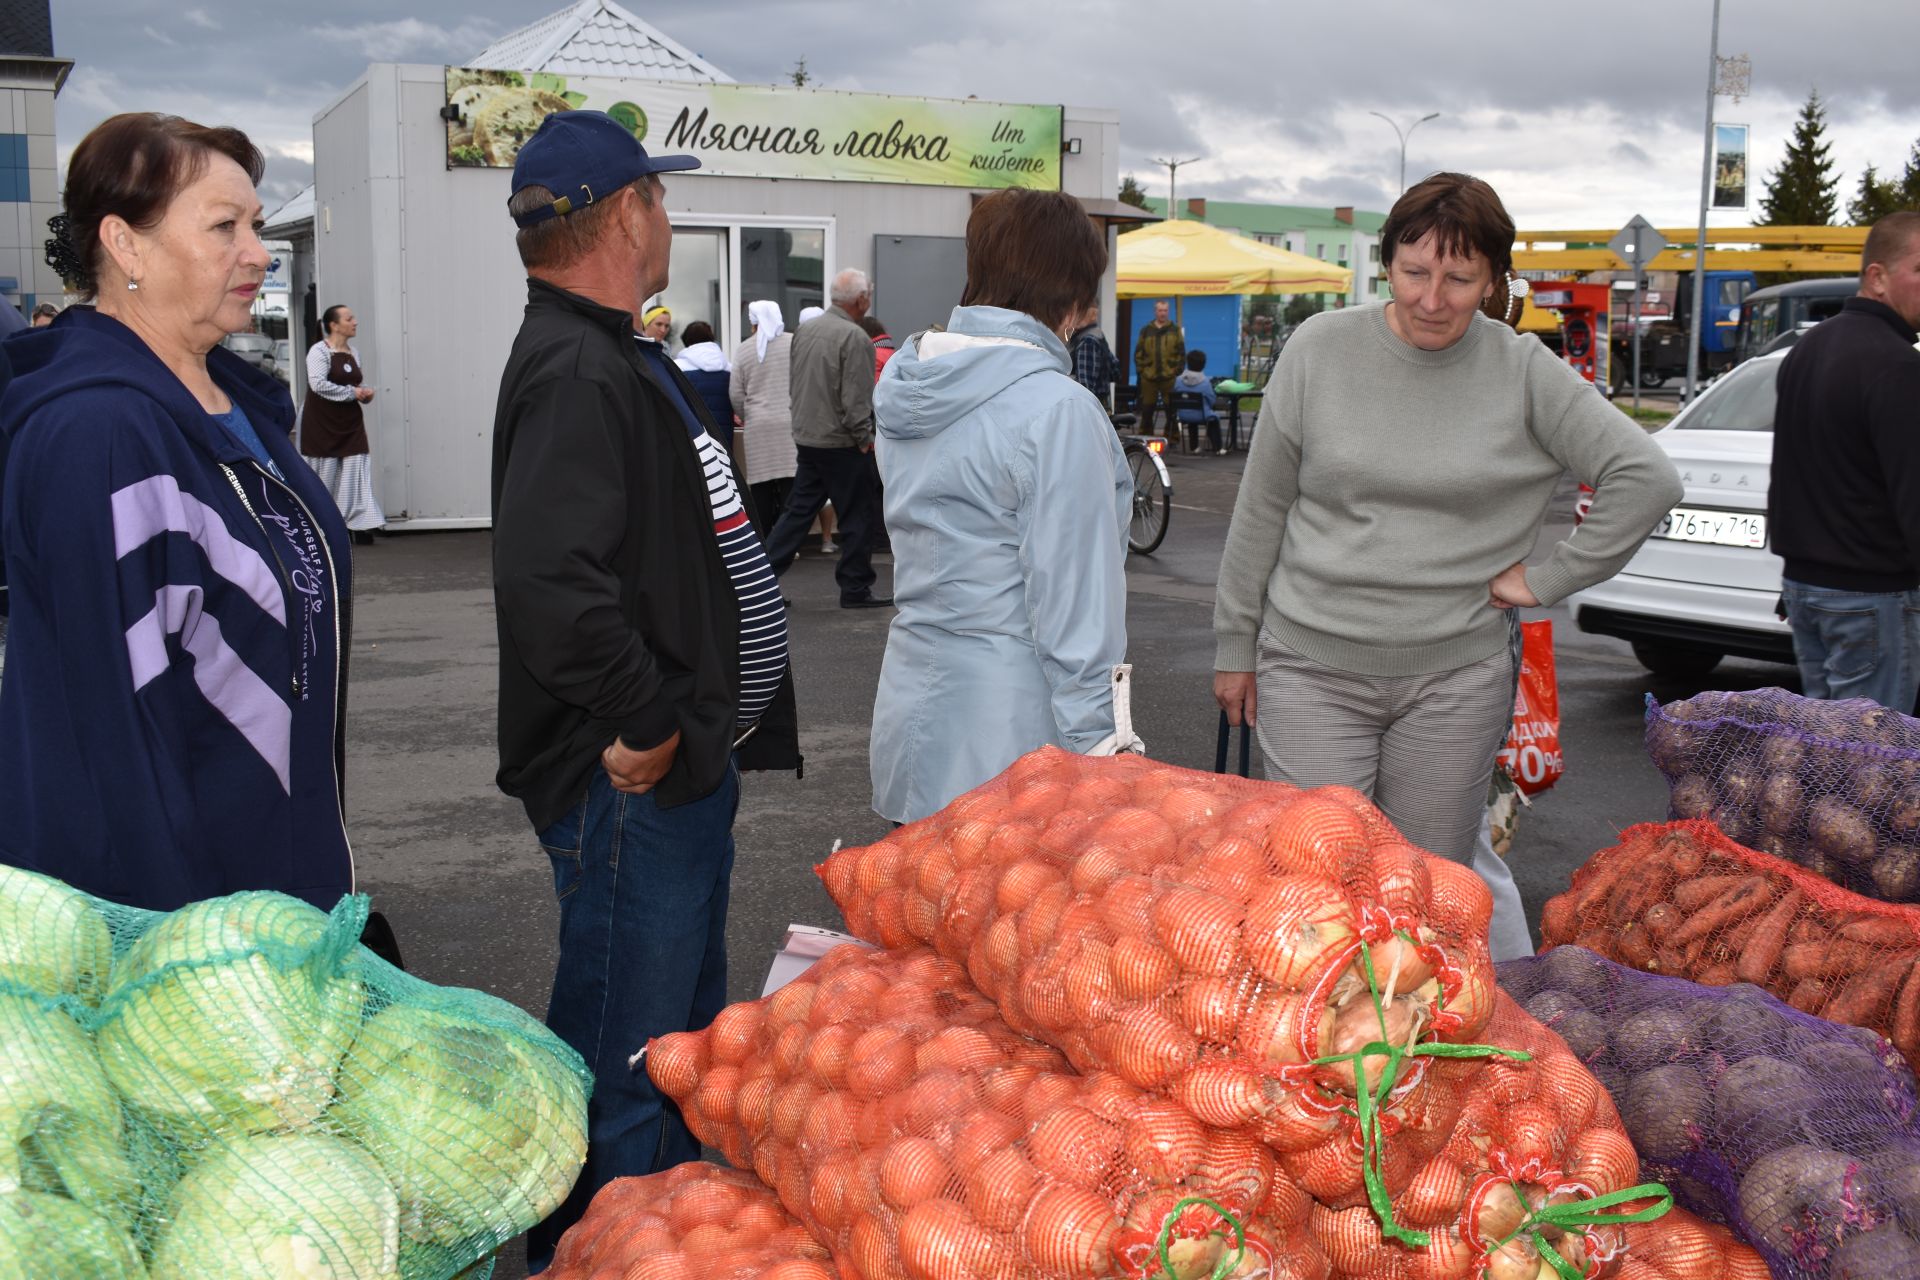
pixel 763 612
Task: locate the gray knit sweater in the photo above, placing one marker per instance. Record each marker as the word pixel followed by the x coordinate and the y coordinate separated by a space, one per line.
pixel 1387 486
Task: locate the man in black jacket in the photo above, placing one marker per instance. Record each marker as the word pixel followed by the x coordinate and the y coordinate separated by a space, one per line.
pixel 643 644
pixel 1845 494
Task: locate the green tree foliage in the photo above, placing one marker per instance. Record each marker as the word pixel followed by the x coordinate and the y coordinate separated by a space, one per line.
pixel 1876 197
pixel 799 75
pixel 1804 190
pixel 1131 192
pixel 1302 305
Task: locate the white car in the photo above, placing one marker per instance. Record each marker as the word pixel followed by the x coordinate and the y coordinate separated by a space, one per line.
pixel 1705 585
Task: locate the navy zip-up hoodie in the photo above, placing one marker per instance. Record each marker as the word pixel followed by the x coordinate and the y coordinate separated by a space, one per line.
pixel 171 713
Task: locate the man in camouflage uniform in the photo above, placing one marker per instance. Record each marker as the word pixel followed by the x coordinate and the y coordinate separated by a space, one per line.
pixel 1158 358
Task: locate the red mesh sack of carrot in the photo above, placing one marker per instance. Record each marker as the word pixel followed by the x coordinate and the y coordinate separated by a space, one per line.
pixel 1198 935
pixel 1535 1178
pixel 1833 786
pixel 921 1138
pixel 1796 1133
pixel 1683 899
pixel 695 1219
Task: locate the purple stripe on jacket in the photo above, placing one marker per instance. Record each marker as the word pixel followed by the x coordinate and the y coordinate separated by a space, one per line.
pixel 248 704
pixel 157 505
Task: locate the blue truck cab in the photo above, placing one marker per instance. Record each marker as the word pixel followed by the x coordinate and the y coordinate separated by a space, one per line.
pixel 1663 342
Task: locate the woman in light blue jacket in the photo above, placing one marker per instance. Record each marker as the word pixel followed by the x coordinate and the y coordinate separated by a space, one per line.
pixel 1007 500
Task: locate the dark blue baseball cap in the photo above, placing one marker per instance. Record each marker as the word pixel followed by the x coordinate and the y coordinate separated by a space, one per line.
pixel 581 156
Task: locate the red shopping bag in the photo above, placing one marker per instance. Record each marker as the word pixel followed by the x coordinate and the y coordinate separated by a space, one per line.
pixel 1532 754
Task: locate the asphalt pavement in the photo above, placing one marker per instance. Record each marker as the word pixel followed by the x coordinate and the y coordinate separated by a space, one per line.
pixel 454 865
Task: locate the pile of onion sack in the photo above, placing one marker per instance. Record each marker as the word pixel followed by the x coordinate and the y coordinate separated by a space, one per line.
pixel 1203 937
pixel 917 1135
pixel 1833 786
pixel 1282 962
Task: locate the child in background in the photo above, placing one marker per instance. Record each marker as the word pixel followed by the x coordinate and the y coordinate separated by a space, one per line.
pixel 1191 419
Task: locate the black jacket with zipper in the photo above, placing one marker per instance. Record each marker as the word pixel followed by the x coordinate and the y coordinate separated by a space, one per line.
pixel 616 612
pixel 1844 496
pixel 172 722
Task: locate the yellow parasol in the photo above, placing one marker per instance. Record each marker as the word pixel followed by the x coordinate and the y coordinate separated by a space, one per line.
pixel 1176 259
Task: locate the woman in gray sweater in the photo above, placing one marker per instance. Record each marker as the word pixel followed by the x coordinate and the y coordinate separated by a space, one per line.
pixel 1404 458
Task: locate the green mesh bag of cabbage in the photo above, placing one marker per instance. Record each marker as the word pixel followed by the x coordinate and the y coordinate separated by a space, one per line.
pixel 239 1090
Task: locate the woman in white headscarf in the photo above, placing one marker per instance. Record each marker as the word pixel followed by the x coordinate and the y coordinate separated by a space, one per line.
pixel 758 391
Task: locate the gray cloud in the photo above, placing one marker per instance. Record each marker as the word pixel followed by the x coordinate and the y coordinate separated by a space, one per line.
pixel 1573 111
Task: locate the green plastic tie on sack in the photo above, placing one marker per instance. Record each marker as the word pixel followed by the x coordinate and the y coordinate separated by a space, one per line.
pixel 1586 1213
pixel 1370 1102
pixel 1227 1262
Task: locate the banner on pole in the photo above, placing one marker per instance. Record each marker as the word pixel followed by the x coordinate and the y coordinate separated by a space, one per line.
pixel 768 131
pixel 1729 166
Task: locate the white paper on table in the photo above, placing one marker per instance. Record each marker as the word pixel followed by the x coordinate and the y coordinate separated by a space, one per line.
pixel 803 945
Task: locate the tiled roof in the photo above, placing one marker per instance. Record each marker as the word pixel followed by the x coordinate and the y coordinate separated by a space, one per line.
pixel 1272 219
pixel 596 38
pixel 26 27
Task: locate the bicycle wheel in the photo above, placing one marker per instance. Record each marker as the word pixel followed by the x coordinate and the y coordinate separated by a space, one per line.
pixel 1152 504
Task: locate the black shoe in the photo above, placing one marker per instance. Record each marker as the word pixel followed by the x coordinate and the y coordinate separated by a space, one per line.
pixel 868 602
pixel 363 537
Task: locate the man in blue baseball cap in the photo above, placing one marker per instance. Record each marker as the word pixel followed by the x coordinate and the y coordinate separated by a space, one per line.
pixel 643 640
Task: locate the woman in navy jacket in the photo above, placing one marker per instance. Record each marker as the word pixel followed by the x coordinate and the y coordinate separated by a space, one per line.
pixel 177 578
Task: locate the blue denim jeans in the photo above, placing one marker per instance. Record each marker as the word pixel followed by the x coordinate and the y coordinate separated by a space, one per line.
pixel 643 952
pixel 1856 644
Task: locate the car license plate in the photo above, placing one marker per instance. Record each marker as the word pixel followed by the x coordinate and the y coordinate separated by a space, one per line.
pixel 1722 528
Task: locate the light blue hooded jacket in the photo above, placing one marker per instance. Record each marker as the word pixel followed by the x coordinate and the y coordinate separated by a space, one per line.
pixel 1007 499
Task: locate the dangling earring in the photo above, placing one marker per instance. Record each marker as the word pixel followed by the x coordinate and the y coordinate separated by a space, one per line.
pixel 133 286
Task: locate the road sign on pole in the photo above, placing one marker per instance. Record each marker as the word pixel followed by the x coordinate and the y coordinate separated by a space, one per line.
pixel 1637 244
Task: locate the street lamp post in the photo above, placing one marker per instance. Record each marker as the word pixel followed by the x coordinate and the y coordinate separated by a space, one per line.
pixel 1404 137
pixel 1699 281
pixel 1173 172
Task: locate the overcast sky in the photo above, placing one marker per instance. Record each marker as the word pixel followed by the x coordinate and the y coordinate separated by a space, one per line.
pixel 1580 115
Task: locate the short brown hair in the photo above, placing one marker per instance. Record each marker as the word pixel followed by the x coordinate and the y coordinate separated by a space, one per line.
pixel 560 242
pixel 134 165
pixel 1463 214
pixel 1888 239
pixel 1033 251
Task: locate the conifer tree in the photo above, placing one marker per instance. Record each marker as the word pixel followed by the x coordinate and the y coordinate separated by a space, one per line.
pixel 1803 191
pixel 1876 197
pixel 1874 200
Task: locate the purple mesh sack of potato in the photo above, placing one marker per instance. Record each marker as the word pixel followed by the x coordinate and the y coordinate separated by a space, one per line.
pixel 1833 786
pixel 1796 1133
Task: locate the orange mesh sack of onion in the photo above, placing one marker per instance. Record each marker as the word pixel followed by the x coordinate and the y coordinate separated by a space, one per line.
pixel 920 1138
pixel 1536 1179
pixel 1202 938
pixel 694 1219
pixel 1682 1247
